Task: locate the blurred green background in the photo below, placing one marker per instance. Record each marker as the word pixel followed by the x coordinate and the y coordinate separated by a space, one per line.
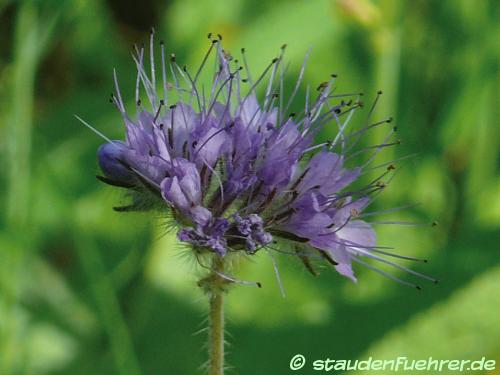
pixel 85 290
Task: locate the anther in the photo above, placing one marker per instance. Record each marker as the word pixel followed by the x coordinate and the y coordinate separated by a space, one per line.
pixel 389 120
pixel 209 36
pixel 293 114
pixel 219 36
pixel 172 57
pixel 391 167
pixel 139 102
pixel 322 86
pixel 284 46
pixel 173 106
pixel 337 111
pixel 435 223
pixel 194 144
pixel 243 50
pixel 275 60
pixel 333 75
pixel 379 92
pixel 184 68
pixel 162 102
pixel 152 31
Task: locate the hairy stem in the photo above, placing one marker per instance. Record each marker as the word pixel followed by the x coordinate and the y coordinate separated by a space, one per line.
pixel 215 285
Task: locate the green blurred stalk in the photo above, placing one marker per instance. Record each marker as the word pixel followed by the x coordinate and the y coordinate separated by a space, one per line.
pixel 30 40
pixel 18 136
pixel 19 124
pixel 108 308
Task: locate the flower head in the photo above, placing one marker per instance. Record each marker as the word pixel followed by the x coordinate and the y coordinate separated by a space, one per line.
pixel 237 170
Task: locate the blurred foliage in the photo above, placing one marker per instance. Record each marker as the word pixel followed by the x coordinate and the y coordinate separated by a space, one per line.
pixel 84 290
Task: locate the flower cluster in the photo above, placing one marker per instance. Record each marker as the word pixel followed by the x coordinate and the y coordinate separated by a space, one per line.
pixel 238 173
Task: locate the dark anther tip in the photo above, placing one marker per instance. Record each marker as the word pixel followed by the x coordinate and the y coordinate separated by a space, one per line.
pixel 293 114
pixel 215 41
pixel 333 75
pixel 152 30
pixel 418 287
pixel 244 80
pixel 395 128
pixel 284 46
pixel 195 143
pixel 275 60
pixel 389 120
pixel 436 281
pixel 379 92
pixel 172 57
pixel 337 111
pixel 161 126
pixel 361 94
pixel 276 95
pixel 173 106
pixel 184 68
pixel 162 102
pixel 243 50
pixel 435 223
pixel 391 167
pixel 240 68
pixel 219 36
pixel 162 42
pixel 209 35
pixel 259 284
pixel 111 100
pixel 139 102
pixel 425 260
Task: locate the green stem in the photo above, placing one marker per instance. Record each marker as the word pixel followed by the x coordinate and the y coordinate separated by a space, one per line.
pixel 216 318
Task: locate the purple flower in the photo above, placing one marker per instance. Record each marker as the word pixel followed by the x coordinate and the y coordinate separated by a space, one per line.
pixel 240 173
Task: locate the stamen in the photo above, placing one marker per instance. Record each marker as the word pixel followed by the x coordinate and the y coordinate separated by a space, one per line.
pixel 277 273
pixel 383 273
pixel 164 72
pixel 94 129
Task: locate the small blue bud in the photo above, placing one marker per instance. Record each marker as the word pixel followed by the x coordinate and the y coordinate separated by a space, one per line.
pixel 111 157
